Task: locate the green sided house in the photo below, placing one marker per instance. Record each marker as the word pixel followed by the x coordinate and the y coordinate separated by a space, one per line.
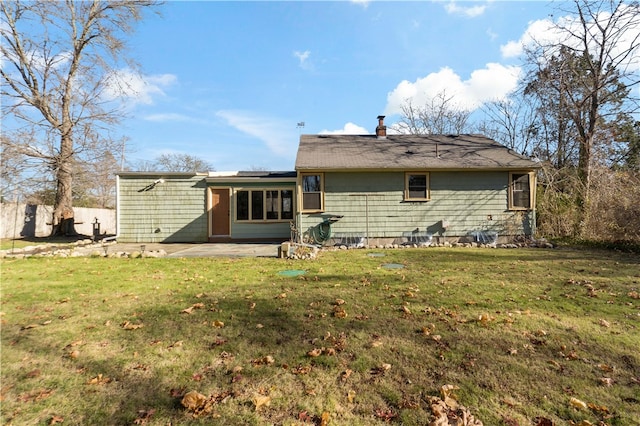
pixel 346 189
pixel 205 207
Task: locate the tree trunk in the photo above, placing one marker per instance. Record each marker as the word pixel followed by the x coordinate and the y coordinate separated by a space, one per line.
pixel 584 177
pixel 63 221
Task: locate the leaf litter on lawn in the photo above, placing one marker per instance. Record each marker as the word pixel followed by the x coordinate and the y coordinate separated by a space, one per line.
pixel 493 349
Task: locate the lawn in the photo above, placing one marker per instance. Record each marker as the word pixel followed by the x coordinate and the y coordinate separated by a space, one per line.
pixel 524 337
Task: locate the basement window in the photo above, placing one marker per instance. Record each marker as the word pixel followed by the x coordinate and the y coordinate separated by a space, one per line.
pixel 416 187
pixel 520 193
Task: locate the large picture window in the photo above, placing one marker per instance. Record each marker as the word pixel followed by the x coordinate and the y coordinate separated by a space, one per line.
pixel 264 205
pixel 416 187
pixel 312 187
pixel 520 194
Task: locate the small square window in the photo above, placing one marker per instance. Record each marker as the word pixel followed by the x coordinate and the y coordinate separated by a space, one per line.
pixel 417 187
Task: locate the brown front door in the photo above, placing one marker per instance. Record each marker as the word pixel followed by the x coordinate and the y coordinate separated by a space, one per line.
pixel 220 212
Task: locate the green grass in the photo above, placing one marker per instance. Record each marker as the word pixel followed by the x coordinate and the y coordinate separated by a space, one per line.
pixel 520 332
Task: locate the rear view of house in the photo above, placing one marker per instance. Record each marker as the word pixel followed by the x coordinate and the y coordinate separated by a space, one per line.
pixel 387 188
pixel 367 189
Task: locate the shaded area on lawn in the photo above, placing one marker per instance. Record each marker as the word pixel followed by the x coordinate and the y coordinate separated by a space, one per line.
pixel 520 335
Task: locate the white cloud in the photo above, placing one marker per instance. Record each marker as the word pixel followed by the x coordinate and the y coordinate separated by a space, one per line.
pixel 540 31
pixel 468 11
pixel 493 82
pixel 135 87
pixel 170 116
pixel 348 129
pixel 278 135
pixel 302 58
pixel 363 3
pixel 492 35
pixel 546 32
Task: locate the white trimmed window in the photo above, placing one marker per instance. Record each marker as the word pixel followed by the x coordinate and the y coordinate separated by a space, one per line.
pixel 416 187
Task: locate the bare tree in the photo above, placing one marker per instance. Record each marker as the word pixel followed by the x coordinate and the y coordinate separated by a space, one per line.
pixel 592 71
pixel 182 163
pixel 510 122
pixel 440 116
pixel 59 60
pixel 174 162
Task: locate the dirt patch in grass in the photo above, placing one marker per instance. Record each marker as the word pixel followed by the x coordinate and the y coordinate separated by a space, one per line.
pixel 523 337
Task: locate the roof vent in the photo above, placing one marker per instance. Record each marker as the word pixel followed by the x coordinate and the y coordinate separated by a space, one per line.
pixel 381 130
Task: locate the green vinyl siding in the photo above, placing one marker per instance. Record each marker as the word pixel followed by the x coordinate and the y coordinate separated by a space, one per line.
pixel 374 201
pixel 171 211
pixel 259 230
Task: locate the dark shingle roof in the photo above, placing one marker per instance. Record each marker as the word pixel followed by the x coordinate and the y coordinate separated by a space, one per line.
pixel 405 152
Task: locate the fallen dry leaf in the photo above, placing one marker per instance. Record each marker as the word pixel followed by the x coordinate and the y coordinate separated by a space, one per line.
pixel 144 416
pixel 606 381
pixel 339 312
pixel 442 412
pixel 598 408
pixel 314 352
pixel 265 360
pixel 218 324
pixel 36 396
pixel 56 419
pixel 604 323
pixel 484 319
pixel 606 368
pixel 99 380
pixel 576 403
pixel 346 374
pixel 193 400
pixel 261 401
pixel 385 415
pixel 30 326
pixel 324 418
pixel 301 369
pixel 448 396
pixel 129 326
pixel 34 373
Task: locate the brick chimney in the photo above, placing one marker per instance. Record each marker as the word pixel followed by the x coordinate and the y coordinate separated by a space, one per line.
pixel 381 130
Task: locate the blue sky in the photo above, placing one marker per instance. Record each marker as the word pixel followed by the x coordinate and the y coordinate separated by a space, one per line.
pixel 230 81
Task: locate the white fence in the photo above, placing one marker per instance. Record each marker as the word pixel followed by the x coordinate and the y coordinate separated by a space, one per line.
pixel 28 220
